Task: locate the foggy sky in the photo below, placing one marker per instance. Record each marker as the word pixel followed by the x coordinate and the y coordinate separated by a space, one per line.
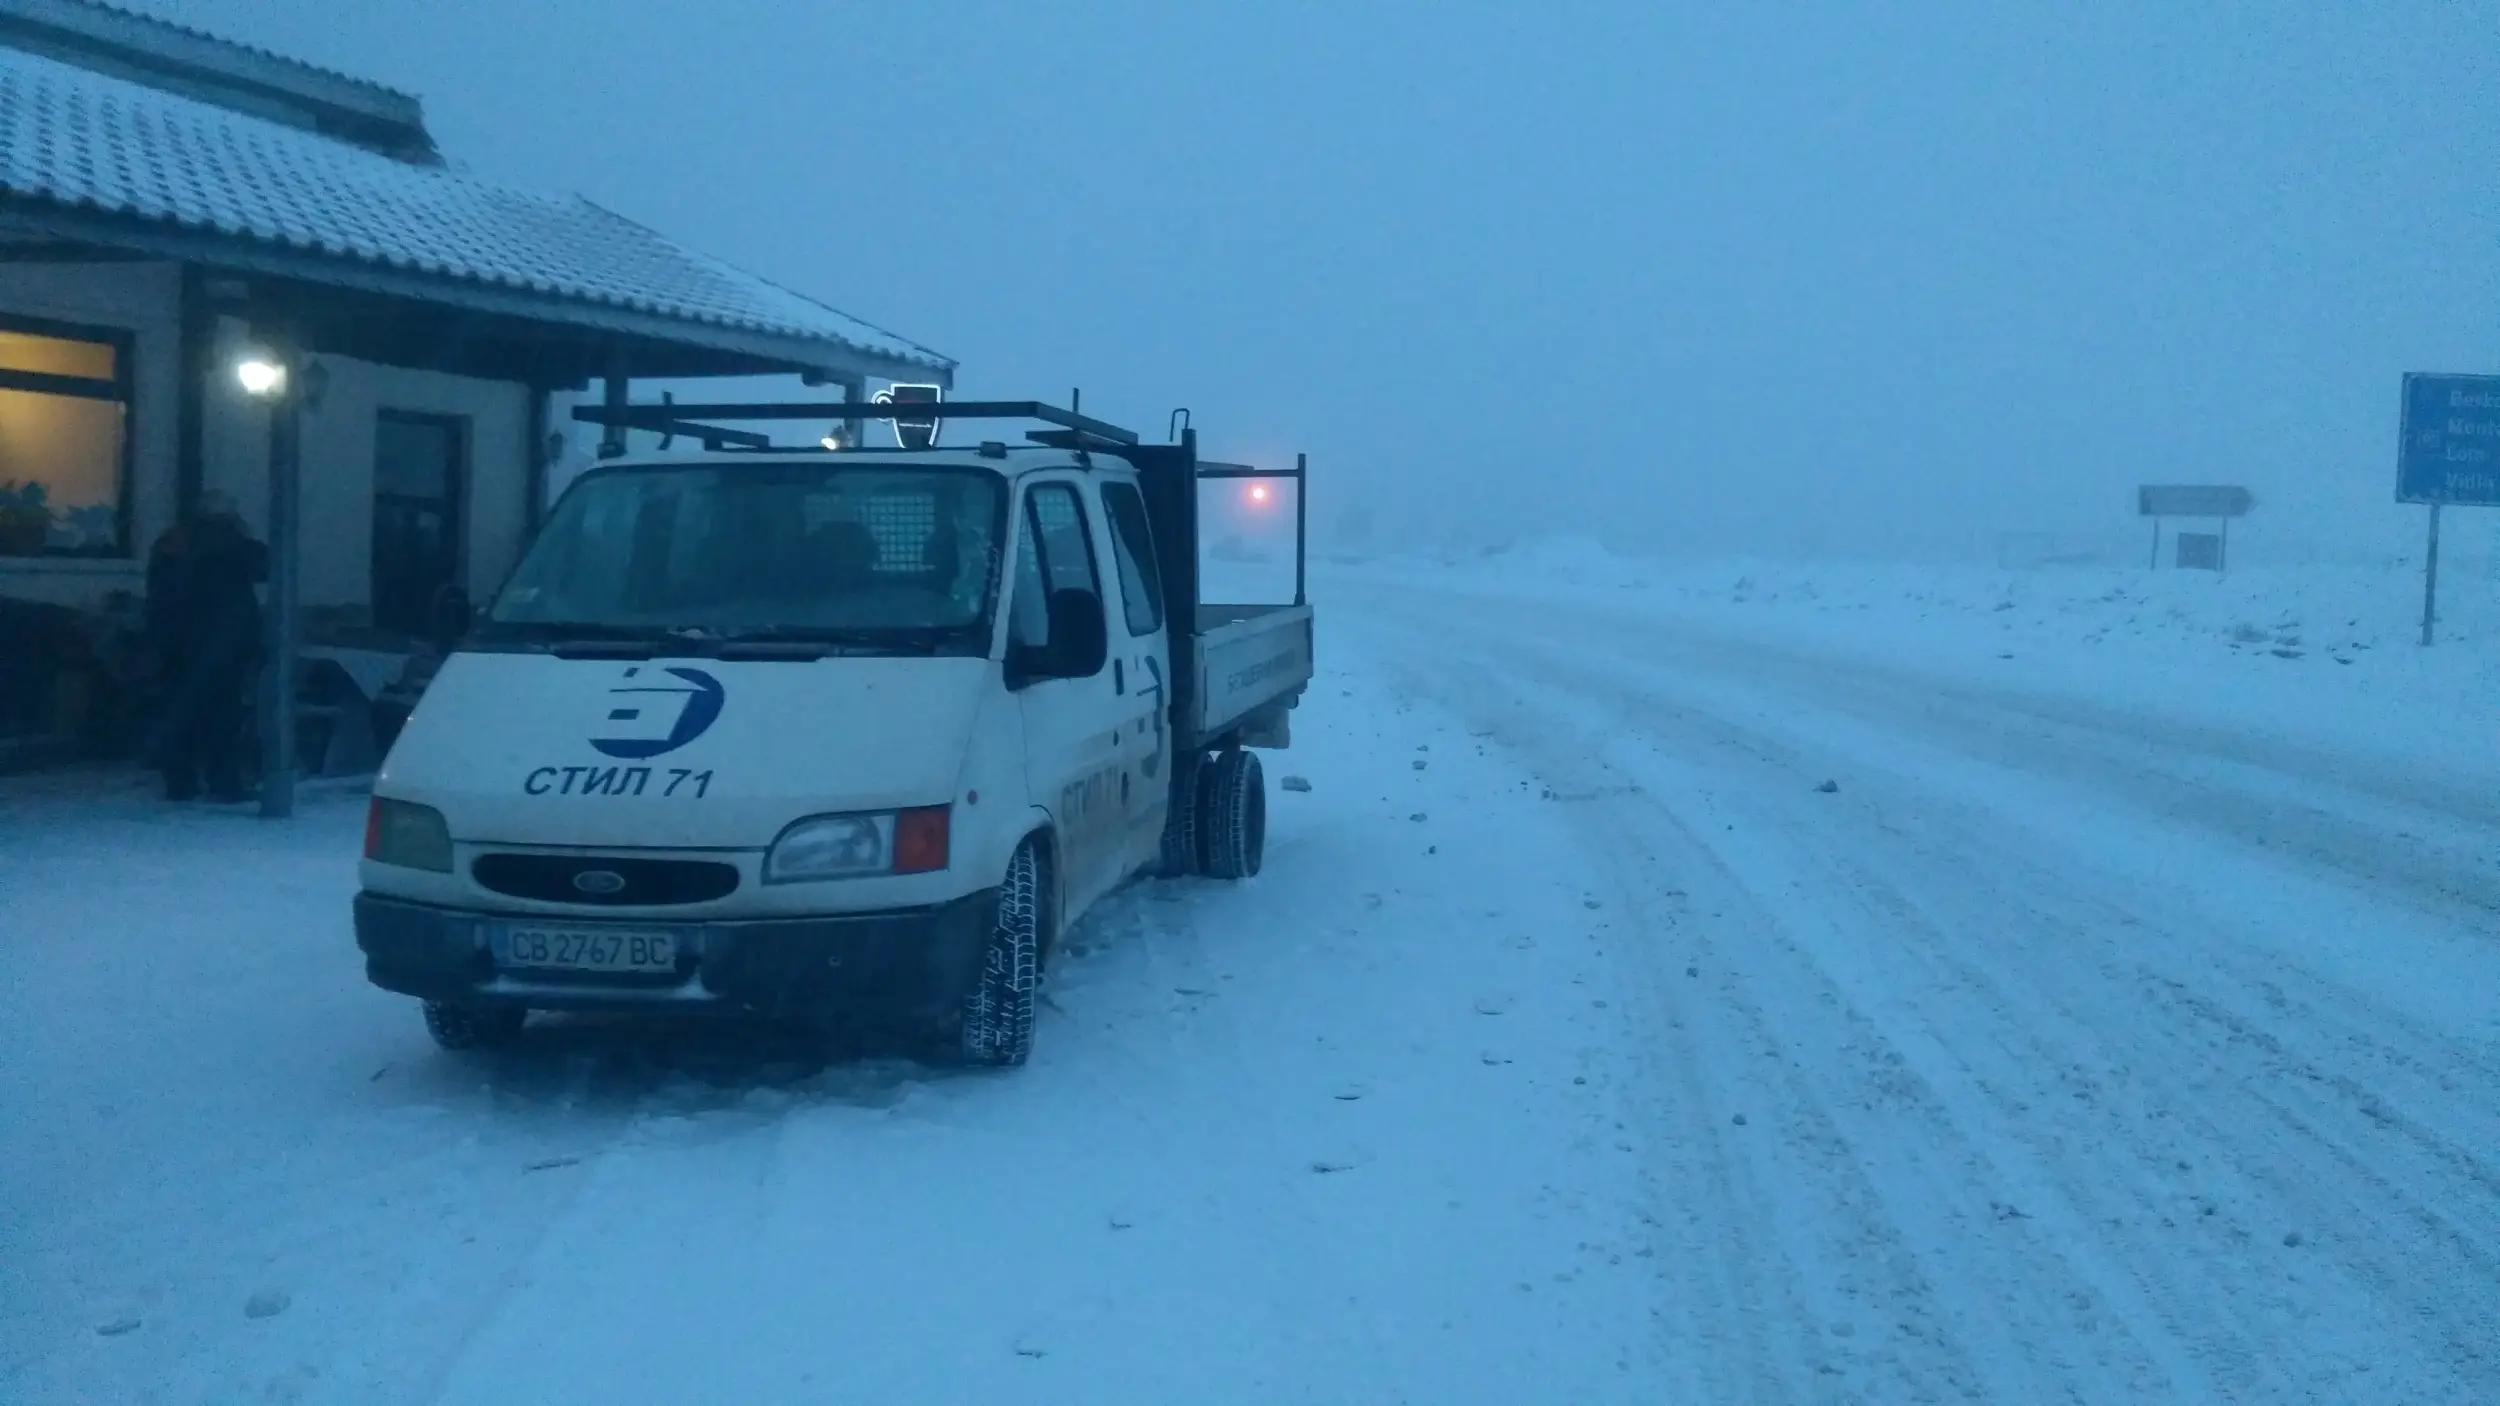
pixel 1831 276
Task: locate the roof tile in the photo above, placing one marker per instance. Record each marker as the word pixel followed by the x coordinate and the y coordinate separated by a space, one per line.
pixel 79 138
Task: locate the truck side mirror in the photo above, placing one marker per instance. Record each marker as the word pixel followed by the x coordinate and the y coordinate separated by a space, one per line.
pixel 1079 643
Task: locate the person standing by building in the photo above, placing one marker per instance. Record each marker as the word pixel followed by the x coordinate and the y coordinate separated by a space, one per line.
pixel 204 620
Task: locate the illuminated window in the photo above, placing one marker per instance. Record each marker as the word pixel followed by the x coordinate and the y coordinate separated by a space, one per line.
pixel 64 440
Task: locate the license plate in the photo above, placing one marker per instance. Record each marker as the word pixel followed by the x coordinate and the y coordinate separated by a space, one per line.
pixel 587 949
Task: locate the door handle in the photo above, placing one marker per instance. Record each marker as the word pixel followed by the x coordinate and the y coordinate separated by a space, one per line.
pixel 1119 676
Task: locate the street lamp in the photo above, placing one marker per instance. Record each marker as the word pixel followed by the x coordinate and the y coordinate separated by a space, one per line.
pixel 263 377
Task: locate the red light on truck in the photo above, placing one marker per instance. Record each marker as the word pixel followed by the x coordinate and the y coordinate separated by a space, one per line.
pixel 373 827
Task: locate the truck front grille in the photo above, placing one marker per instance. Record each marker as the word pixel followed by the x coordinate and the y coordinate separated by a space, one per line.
pixel 604 880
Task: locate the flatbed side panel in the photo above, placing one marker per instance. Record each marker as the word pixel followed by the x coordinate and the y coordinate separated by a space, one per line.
pixel 1251 662
pixel 1215 617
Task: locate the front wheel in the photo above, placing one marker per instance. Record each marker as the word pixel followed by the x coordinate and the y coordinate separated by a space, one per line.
pixel 1233 818
pixel 458 1027
pixel 997 1028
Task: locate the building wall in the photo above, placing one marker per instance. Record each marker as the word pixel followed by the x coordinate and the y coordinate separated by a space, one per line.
pixel 338 461
pixel 145 300
pixel 338 444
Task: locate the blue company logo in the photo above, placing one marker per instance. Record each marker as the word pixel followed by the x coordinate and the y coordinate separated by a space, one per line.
pixel 698 701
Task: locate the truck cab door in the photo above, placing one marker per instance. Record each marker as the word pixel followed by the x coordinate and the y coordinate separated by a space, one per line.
pixel 1141 640
pixel 1071 717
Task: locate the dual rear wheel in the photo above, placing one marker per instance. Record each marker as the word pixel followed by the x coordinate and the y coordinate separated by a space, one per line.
pixel 1221 828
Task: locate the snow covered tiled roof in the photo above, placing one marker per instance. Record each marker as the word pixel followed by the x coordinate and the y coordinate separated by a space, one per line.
pixel 89 141
pixel 170 39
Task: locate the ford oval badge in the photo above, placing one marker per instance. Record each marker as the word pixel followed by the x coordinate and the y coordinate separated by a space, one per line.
pixel 599 883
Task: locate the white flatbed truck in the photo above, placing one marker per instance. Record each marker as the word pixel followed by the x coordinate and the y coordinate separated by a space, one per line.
pixel 810 733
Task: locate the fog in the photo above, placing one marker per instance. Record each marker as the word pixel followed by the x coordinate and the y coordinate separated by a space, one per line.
pixel 1879 281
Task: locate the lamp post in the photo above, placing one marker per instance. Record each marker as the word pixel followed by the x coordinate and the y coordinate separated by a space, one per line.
pixel 273 376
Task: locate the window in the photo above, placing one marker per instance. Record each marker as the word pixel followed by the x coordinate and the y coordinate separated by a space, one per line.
pixel 1029 619
pixel 1133 547
pixel 866 551
pixel 418 468
pixel 1067 549
pixel 1057 554
pixel 64 440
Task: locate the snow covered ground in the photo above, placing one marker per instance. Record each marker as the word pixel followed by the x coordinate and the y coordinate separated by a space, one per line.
pixel 1724 983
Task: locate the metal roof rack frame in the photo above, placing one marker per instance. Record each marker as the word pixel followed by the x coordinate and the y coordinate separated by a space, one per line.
pixel 687 418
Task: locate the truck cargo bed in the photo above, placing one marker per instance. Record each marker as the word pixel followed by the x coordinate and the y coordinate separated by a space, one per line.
pixel 1245 658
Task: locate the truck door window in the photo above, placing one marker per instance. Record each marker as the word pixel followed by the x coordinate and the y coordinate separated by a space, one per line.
pixel 1067 548
pixel 1132 544
pixel 1028 613
pixel 1057 554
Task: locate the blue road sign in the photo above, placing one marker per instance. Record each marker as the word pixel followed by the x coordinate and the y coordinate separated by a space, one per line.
pixel 2449 447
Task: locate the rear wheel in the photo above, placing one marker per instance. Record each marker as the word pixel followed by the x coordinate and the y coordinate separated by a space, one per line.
pixel 997 1027
pixel 458 1027
pixel 1233 818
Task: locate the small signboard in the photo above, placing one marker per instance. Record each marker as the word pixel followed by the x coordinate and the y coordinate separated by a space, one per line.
pixel 913 431
pixel 2219 502
pixel 2193 500
pixel 2448 451
pixel 2199 551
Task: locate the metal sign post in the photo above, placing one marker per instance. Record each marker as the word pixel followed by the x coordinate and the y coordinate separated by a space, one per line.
pixel 2447 455
pixel 2430 580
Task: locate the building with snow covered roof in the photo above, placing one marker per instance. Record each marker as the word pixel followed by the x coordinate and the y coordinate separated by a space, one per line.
pixel 170 202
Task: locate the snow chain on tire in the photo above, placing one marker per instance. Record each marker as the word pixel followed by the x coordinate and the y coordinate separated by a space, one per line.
pixel 1235 819
pixel 998 1011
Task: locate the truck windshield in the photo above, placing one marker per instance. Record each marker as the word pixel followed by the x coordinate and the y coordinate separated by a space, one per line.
pixel 866 554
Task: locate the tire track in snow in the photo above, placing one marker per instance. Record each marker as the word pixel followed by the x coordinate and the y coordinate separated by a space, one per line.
pixel 1855 1080
pixel 1705 1212
pixel 1844 1270
pixel 2325 1161
pixel 2310 1189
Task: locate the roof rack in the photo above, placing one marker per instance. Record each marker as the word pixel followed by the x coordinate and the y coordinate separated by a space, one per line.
pixel 671 418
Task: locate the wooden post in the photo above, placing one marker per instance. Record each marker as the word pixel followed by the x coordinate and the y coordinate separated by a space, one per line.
pixel 277 693
pixel 2430 581
pixel 616 393
pixel 534 461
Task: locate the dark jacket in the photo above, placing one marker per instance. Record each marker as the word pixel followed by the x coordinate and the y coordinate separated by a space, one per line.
pixel 202 611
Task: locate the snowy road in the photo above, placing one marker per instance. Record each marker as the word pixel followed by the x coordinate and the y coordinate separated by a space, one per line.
pixel 1576 1046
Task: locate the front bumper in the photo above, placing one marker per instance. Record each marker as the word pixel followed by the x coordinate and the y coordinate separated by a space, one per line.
pixel 916 962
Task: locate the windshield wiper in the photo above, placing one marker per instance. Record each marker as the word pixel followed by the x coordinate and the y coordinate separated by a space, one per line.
pixel 600 649
pixel 584 640
pixel 569 639
pixel 900 639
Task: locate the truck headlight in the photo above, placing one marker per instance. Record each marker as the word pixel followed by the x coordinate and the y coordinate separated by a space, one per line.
pixel 408 835
pixel 860 845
